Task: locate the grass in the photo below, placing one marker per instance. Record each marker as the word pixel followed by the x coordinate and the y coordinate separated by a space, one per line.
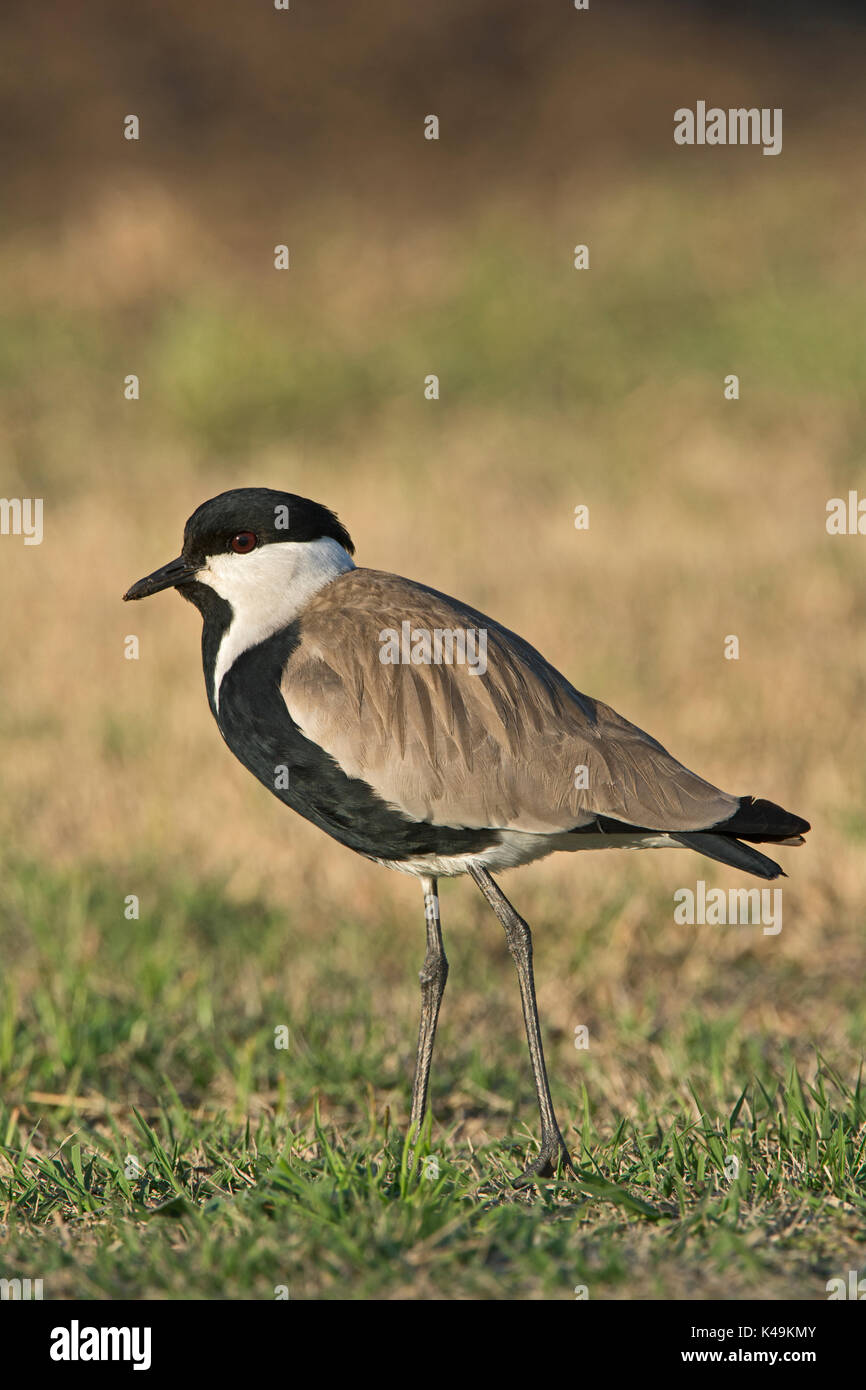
pixel 156 1143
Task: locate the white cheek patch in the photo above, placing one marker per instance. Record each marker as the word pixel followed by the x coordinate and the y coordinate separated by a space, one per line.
pixel 267 589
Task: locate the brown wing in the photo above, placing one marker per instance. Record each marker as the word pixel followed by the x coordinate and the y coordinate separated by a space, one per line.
pixel 500 749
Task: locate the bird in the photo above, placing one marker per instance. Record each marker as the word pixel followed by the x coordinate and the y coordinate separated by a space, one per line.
pixel 428 738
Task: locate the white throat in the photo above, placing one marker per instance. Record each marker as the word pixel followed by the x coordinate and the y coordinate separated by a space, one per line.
pixel 267 589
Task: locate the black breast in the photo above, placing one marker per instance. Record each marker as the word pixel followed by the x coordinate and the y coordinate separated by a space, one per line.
pixel 259 730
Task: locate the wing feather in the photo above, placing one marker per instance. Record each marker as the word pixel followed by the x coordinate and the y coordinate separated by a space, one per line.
pixel 498 749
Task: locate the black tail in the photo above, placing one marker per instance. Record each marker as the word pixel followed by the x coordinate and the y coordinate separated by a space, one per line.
pixel 761 822
pixel 730 851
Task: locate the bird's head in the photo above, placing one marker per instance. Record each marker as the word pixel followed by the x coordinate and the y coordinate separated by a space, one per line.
pixel 254 546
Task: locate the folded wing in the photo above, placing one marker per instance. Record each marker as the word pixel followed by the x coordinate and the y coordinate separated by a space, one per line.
pixel 503 748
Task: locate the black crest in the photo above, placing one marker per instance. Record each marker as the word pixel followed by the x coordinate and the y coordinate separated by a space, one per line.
pixel 271 515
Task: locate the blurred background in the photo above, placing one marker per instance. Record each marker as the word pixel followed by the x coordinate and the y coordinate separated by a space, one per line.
pixel 559 387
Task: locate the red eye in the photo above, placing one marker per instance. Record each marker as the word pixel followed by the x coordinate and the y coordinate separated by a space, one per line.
pixel 244 542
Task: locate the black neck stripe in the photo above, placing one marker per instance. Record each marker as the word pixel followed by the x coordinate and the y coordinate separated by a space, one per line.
pixel 258 728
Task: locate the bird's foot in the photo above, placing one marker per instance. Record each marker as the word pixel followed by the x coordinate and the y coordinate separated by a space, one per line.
pixel 554 1159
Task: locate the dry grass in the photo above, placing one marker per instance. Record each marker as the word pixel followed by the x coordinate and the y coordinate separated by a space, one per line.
pixel 707 518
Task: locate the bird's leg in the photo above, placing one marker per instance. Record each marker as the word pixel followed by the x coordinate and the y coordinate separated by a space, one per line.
pixel 519 938
pixel 432 976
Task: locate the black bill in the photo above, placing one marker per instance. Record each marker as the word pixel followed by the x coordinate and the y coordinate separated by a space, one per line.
pixel 175 572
